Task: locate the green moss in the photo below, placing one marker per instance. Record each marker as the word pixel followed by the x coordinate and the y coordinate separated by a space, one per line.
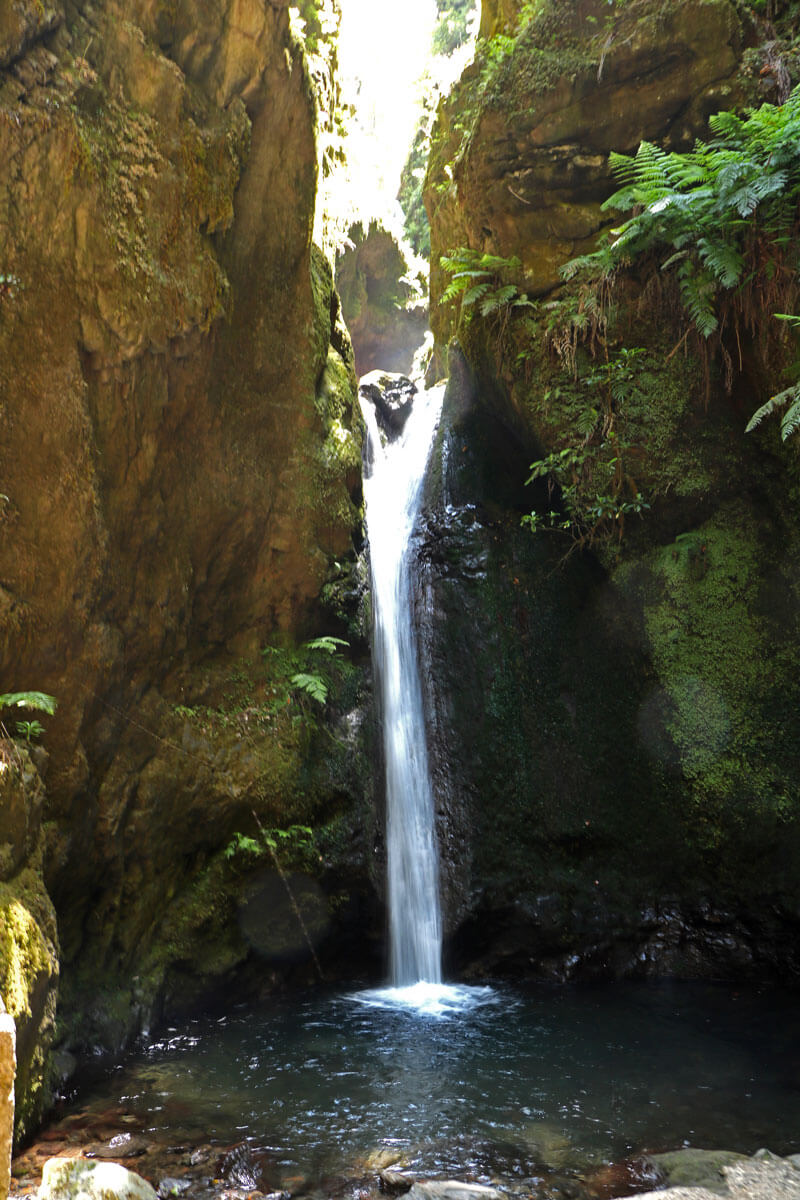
pixel 28 974
pixel 24 951
pixel 723 715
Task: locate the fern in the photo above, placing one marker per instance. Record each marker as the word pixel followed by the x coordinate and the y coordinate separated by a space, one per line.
pixel 39 701
pixel 329 644
pixel 790 422
pixel 313 685
pixel 704 207
pixel 482 281
pixel 499 298
pixel 476 293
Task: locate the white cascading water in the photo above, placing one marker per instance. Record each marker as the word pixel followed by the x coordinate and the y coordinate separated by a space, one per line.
pixel 392 490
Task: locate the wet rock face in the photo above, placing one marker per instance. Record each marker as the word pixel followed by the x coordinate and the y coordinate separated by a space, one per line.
pixel 612 755
pixel 181 475
pixel 393 397
pixel 571 843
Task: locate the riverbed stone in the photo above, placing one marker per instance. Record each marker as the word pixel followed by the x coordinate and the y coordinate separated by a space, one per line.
pixel 452 1189
pixel 746 1179
pixel 84 1179
pixel 695 1168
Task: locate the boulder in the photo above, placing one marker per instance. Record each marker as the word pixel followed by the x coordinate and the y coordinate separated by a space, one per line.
pixel 393 395
pixel 83 1179
pixel 747 1179
pixel 452 1189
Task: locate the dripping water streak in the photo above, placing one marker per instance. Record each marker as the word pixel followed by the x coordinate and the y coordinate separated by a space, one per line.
pixel 392 490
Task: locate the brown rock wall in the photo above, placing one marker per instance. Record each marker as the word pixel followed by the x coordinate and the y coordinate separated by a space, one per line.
pixel 178 473
pixel 519 162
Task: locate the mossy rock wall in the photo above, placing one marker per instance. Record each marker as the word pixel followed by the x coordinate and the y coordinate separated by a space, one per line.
pixel 519 152
pixel 181 460
pixel 616 730
pixel 614 764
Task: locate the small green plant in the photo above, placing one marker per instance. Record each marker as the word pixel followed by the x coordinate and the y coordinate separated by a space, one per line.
pixel 316 684
pixel 294 844
pixel 590 473
pixel 723 215
pixel 30 730
pixel 37 702
pixel 789 398
pixel 484 283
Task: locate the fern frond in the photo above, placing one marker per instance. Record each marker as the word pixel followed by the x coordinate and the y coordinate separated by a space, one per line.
pixel 455 288
pixel 39 701
pixel 697 293
pixel 495 264
pixel 458 259
pixel 791 421
pixel 724 261
pixel 326 642
pixel 475 293
pixel 313 685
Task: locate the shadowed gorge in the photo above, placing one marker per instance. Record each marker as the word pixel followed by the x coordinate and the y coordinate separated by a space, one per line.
pixel 371 621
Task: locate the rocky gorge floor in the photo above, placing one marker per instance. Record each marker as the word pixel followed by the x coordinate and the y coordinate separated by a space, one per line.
pixel 147 1163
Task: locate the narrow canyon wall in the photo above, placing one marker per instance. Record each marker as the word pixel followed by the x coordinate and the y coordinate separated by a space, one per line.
pixel 180 477
pixel 615 717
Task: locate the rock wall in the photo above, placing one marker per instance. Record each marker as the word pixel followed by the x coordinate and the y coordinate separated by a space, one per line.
pixel 519 154
pixel 616 728
pixel 180 470
pixel 382 303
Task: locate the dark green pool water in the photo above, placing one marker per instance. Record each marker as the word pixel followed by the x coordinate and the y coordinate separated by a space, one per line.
pixel 562 1077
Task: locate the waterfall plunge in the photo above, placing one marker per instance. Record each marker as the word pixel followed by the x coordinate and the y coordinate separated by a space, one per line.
pixel 392 490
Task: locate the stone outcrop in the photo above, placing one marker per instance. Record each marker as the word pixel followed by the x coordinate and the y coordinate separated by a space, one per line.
pixel 708 1174
pixel 82 1179
pixel 392 395
pixel 519 155
pixel 613 755
pixel 180 471
pixel 382 302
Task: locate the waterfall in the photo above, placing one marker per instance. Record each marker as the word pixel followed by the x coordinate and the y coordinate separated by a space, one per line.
pixel 392 488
